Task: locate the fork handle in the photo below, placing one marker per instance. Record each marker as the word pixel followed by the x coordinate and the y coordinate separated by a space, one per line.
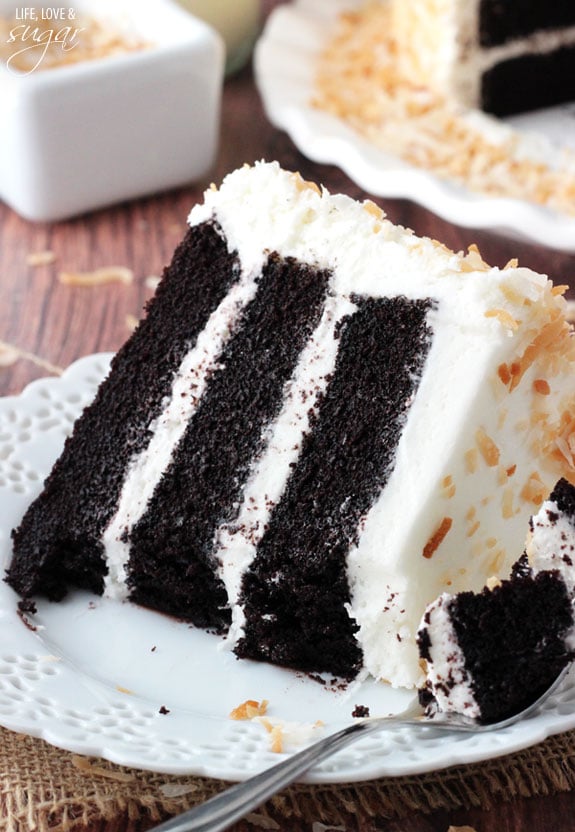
pixel 234 803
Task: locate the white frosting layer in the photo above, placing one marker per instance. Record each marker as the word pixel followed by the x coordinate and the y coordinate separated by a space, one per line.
pixel 551 543
pixel 470 443
pixel 551 546
pixel 447 674
pixel 146 468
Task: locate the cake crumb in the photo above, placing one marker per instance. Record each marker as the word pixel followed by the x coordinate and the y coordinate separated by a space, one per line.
pixel 250 709
pixel 163 710
pixel 360 712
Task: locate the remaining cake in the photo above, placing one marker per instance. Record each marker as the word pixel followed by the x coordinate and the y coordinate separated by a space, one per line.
pixel 488 655
pixel 502 57
pixel 321 424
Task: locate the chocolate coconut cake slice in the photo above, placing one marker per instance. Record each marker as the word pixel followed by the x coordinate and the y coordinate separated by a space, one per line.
pixel 490 654
pixel 322 422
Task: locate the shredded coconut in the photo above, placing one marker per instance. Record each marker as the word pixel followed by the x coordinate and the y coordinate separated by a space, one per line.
pixel 98 277
pixel 359 80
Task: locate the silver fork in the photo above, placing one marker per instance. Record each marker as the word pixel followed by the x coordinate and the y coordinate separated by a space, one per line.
pixel 234 803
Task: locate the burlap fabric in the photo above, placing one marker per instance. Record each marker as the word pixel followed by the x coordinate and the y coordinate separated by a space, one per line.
pixel 44 788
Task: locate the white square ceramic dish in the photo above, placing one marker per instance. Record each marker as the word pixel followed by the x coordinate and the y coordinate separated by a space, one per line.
pixel 78 137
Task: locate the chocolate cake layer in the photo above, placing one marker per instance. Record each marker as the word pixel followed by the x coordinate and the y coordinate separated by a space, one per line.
pixel 564 496
pixel 58 541
pixel 529 82
pixel 171 564
pixel 295 592
pixel 513 662
pixel 505 21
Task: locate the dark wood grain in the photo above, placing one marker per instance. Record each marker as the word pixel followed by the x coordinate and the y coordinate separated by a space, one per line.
pixel 58 324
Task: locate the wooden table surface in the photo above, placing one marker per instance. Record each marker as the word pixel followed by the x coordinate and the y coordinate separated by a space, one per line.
pixel 51 324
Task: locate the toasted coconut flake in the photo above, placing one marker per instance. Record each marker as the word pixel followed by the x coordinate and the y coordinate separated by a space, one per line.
pixel 86 766
pixel 492 582
pixel 131 322
pixel 570 310
pixel 448 487
pixel 152 282
pixel 250 709
pixel 321 827
pixel 497 562
pixel 473 529
pixel 262 821
pixel 277 739
pixel 504 374
pixel 507 503
pixel 461 829
pixel 304 185
pixel 534 490
pixel 373 209
pixel 541 386
pixel 437 538
pixel 473 261
pixel 471 512
pixel 471 458
pixel 9 354
pixel 505 318
pixel 98 277
pixel 487 448
pixel 178 789
pixel 40 258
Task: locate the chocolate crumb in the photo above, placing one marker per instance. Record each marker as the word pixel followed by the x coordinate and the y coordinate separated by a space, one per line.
pixel 26 605
pixel 360 711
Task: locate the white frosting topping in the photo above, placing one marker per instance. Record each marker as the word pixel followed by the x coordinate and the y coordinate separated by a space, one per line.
pixel 447 673
pixel 551 544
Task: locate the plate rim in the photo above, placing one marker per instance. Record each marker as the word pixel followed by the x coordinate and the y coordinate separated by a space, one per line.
pixel 442 752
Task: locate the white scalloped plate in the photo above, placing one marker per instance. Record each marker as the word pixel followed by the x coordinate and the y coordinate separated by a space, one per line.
pixel 96 677
pixel 285 59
